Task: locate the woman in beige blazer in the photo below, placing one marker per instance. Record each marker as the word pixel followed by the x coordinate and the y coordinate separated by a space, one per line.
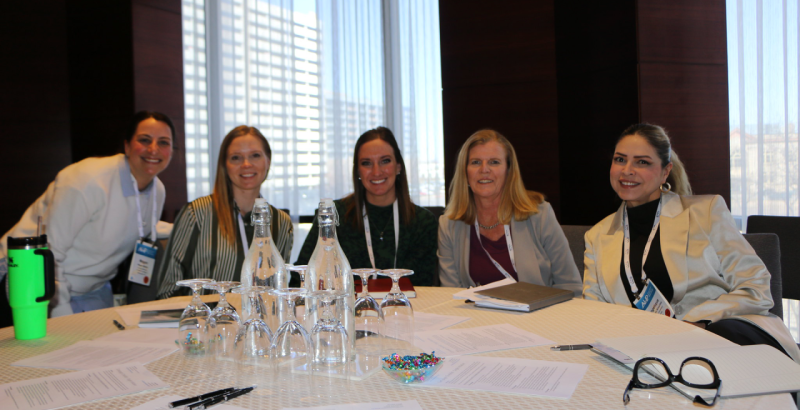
pixel 697 258
pixel 493 227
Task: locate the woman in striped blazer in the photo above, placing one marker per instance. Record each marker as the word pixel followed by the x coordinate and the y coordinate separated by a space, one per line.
pixel 211 234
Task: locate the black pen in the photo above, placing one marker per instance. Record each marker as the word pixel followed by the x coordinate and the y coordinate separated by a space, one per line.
pixel 200 397
pixel 213 401
pixel 118 325
pixel 571 347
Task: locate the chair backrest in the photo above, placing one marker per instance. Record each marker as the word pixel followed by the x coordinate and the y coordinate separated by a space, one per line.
pixel 768 248
pixel 574 234
pixel 437 211
pixel 788 230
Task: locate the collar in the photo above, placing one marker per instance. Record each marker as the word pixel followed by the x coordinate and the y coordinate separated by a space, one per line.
pixel 125 178
pixel 671 207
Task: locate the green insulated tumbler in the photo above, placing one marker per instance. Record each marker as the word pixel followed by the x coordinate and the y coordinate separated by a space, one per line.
pixel 31 284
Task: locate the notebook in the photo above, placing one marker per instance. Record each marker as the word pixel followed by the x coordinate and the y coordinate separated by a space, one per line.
pixel 527 297
pixel 744 370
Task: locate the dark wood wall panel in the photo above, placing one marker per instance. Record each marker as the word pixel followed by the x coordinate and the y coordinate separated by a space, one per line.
pixel 158 83
pixel 498 71
pixel 682 31
pixel 683 76
pixel 692 104
pixel 524 112
pixel 34 120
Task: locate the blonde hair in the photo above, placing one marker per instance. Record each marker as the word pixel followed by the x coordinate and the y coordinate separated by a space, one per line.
pixel 222 197
pixel 515 200
pixel 657 137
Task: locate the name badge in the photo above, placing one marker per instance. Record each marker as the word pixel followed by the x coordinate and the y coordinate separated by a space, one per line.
pixel 143 262
pixel 652 300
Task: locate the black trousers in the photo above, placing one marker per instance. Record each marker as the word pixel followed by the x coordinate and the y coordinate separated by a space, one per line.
pixel 743 333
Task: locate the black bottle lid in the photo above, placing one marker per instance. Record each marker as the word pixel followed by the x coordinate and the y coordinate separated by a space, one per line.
pixel 28 242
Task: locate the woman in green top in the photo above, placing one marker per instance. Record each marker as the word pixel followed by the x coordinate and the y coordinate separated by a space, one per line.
pixel 401 234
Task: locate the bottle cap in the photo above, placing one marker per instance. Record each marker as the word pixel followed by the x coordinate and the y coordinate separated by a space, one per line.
pixel 326 201
pixel 261 201
pixel 27 242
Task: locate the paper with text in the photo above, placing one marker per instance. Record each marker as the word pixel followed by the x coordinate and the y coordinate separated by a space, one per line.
pixel 62 390
pixel 141 335
pixel 424 322
pixel 451 342
pixel 392 405
pixel 91 354
pixel 510 375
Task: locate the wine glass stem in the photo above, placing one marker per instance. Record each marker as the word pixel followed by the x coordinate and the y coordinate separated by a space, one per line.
pixel 290 302
pixel 223 300
pixel 395 284
pixel 364 286
pixel 196 296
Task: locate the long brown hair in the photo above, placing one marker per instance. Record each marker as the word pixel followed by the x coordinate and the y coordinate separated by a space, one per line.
pixel 515 200
pixel 222 197
pixel 657 137
pixel 355 202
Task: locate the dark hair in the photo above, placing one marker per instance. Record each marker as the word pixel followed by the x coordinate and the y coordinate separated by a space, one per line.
pixel 140 116
pixel 657 137
pixel 355 201
pixel 222 197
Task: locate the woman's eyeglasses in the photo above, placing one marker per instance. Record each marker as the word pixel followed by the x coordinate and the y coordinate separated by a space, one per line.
pixel 695 372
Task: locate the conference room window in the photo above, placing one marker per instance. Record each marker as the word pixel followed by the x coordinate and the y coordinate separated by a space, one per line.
pixel 764 106
pixel 312 76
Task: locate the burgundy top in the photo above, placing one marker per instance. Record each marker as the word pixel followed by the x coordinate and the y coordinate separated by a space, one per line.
pixel 481 269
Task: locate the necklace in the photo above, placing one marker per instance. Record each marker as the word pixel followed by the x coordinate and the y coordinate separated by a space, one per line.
pixel 384 229
pixel 488 227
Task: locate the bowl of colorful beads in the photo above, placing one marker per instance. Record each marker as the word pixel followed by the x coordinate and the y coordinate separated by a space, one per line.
pixel 412 369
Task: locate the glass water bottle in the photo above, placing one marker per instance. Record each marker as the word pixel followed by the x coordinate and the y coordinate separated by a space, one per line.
pixel 329 270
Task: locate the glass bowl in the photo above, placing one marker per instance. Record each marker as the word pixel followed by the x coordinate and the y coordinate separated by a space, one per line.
pixel 399 369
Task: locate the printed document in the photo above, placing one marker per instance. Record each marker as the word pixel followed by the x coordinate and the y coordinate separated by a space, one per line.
pixel 393 405
pixel 62 390
pixel 91 354
pixel 509 375
pixel 451 342
pixel 424 322
pixel 142 335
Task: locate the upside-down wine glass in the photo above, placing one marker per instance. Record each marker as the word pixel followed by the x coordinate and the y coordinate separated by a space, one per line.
pixel 192 337
pixel 224 322
pixel 252 343
pixel 369 324
pixel 398 316
pixel 291 344
pixel 330 364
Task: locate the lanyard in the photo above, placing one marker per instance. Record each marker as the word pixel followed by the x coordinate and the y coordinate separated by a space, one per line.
pixel 242 232
pixel 139 211
pixel 627 246
pixel 369 237
pixel 510 250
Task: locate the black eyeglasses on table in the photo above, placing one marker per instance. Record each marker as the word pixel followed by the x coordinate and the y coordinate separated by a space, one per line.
pixel 704 376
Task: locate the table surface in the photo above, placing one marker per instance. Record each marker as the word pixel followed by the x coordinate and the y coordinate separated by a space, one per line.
pixel 573 322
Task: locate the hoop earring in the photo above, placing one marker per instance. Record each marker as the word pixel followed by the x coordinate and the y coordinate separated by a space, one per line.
pixel 666 187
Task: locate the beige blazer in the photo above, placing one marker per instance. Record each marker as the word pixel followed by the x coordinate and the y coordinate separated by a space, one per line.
pixel 541 252
pixel 715 272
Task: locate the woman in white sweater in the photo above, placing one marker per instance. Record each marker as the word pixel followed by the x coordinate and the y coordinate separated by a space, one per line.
pixel 96 210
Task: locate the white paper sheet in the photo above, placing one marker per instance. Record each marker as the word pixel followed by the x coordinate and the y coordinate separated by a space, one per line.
pixel 637 347
pixel 53 392
pixel 138 335
pixel 392 405
pixel 471 295
pixel 453 342
pixel 90 354
pixel 424 322
pixel 162 403
pixel 509 375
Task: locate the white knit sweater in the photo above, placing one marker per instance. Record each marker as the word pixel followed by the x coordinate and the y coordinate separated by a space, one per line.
pixel 90 216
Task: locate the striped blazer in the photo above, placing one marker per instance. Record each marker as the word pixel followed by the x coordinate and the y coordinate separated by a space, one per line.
pixel 197 249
